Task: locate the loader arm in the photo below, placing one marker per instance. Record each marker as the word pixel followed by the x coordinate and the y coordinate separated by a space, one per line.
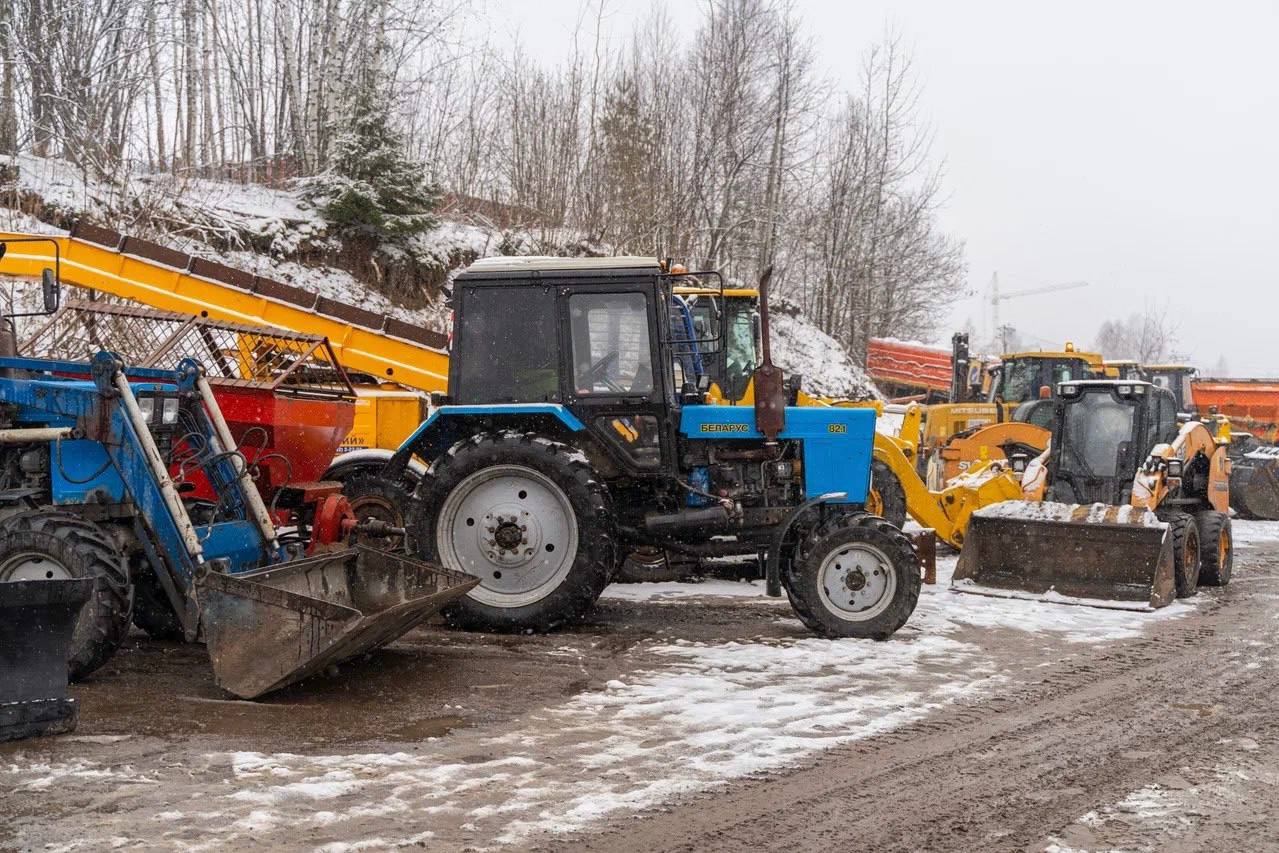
pixel 947 512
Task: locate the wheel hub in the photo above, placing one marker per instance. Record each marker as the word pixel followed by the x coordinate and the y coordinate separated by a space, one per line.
pixel 513 528
pixel 857 581
pixel 32 567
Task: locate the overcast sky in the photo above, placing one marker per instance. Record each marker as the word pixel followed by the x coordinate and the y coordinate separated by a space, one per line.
pixel 1133 145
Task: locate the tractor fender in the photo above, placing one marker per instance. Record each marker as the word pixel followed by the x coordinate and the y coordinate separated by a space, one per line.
pixel 448 425
pixel 370 460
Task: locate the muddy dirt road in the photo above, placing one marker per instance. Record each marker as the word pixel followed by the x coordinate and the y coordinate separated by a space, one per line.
pixel 700 717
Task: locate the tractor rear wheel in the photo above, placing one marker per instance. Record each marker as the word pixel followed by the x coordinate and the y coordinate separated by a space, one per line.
pixel 887 497
pixel 373 496
pixel 855 575
pixel 1186 554
pixel 48 544
pixel 529 518
pixel 1216 548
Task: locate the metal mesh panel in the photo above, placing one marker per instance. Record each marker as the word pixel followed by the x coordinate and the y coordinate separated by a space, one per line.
pixel 231 353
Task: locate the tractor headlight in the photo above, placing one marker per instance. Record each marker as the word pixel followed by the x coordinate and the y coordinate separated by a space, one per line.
pixel 169 411
pixel 146 405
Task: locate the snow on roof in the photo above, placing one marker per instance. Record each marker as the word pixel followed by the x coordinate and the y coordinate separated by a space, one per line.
pixel 510 263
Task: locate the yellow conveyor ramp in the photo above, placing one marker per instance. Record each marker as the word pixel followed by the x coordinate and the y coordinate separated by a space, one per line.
pixel 155 275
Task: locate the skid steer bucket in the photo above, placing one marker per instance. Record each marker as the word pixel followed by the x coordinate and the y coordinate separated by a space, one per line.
pixel 37 619
pixel 1107 556
pixel 1254 484
pixel 270 628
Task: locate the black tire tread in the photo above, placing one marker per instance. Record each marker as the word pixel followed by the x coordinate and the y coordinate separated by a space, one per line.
pixel 1212 525
pixel 892 494
pixel 897 545
pixel 1181 524
pixel 104 622
pixel 597 557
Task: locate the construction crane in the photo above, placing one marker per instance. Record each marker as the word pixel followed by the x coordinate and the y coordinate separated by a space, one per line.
pixel 994 297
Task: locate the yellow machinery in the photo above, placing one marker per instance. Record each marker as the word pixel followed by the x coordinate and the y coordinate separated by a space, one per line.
pixel 382 354
pixel 1126 505
pixel 960 435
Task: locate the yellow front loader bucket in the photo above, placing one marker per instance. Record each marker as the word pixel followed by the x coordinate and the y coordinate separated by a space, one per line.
pixel 273 627
pixel 1099 555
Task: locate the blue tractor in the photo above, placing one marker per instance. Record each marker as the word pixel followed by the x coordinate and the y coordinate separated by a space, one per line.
pixel 97 467
pixel 575 432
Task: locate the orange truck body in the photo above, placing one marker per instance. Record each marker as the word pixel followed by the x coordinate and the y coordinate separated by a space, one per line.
pixel 1251 404
pixel 918 370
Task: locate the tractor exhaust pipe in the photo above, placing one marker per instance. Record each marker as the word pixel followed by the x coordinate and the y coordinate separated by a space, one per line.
pixel 770 382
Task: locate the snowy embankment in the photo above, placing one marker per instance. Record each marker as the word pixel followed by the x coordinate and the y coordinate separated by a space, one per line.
pixel 697 715
pixel 271 232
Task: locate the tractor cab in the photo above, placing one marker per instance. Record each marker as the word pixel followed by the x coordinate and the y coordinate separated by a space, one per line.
pixel 1103 430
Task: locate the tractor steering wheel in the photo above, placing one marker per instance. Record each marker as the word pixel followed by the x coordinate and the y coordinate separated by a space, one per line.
pixel 597 372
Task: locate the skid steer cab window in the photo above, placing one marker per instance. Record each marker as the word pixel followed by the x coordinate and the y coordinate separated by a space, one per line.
pixel 612 353
pixel 1099 431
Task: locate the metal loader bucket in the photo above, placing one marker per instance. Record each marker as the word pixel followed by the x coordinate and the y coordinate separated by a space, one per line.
pixel 1098 552
pixel 1254 484
pixel 273 627
pixel 37 619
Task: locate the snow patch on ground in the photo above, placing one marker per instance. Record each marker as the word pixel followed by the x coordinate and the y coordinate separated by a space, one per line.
pixel 669 591
pixel 1251 533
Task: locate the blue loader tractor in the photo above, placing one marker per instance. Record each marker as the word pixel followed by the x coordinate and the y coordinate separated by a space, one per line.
pixel 576 432
pixel 97 465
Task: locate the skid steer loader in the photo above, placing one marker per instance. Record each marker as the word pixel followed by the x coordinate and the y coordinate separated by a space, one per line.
pixel 1125 506
pixel 575 432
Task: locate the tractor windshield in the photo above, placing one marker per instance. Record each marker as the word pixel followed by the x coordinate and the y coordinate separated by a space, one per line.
pixel 612 353
pixel 1098 433
pixel 741 355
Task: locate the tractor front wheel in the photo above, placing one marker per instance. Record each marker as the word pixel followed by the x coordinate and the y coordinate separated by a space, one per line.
pixel 855 575
pixel 887 497
pixel 529 518
pixel 374 497
pixel 48 545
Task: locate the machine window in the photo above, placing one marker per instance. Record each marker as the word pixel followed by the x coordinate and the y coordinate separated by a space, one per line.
pixel 1098 429
pixel 612 353
pixel 507 349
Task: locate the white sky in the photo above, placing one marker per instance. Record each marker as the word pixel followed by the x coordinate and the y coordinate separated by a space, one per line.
pixel 1133 145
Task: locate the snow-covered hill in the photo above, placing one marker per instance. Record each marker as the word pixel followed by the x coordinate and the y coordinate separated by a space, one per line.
pixel 275 233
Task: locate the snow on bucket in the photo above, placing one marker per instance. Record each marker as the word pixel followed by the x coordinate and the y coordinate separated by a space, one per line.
pixel 270 628
pixel 1099 554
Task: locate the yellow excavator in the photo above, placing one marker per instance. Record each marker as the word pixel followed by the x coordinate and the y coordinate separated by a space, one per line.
pixel 1127 506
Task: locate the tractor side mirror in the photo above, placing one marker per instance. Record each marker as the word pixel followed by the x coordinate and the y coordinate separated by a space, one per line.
pixel 704 383
pixel 50 288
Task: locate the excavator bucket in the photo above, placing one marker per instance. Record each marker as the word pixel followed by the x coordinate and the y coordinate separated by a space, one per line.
pixel 1254 484
pixel 273 627
pixel 1100 555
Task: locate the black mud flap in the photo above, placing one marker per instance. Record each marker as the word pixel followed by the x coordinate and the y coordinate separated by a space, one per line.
pixel 37 618
pixel 1096 555
pixel 270 628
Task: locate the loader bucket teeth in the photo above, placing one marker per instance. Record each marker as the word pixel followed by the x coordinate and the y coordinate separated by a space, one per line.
pixel 1103 555
pixel 271 628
